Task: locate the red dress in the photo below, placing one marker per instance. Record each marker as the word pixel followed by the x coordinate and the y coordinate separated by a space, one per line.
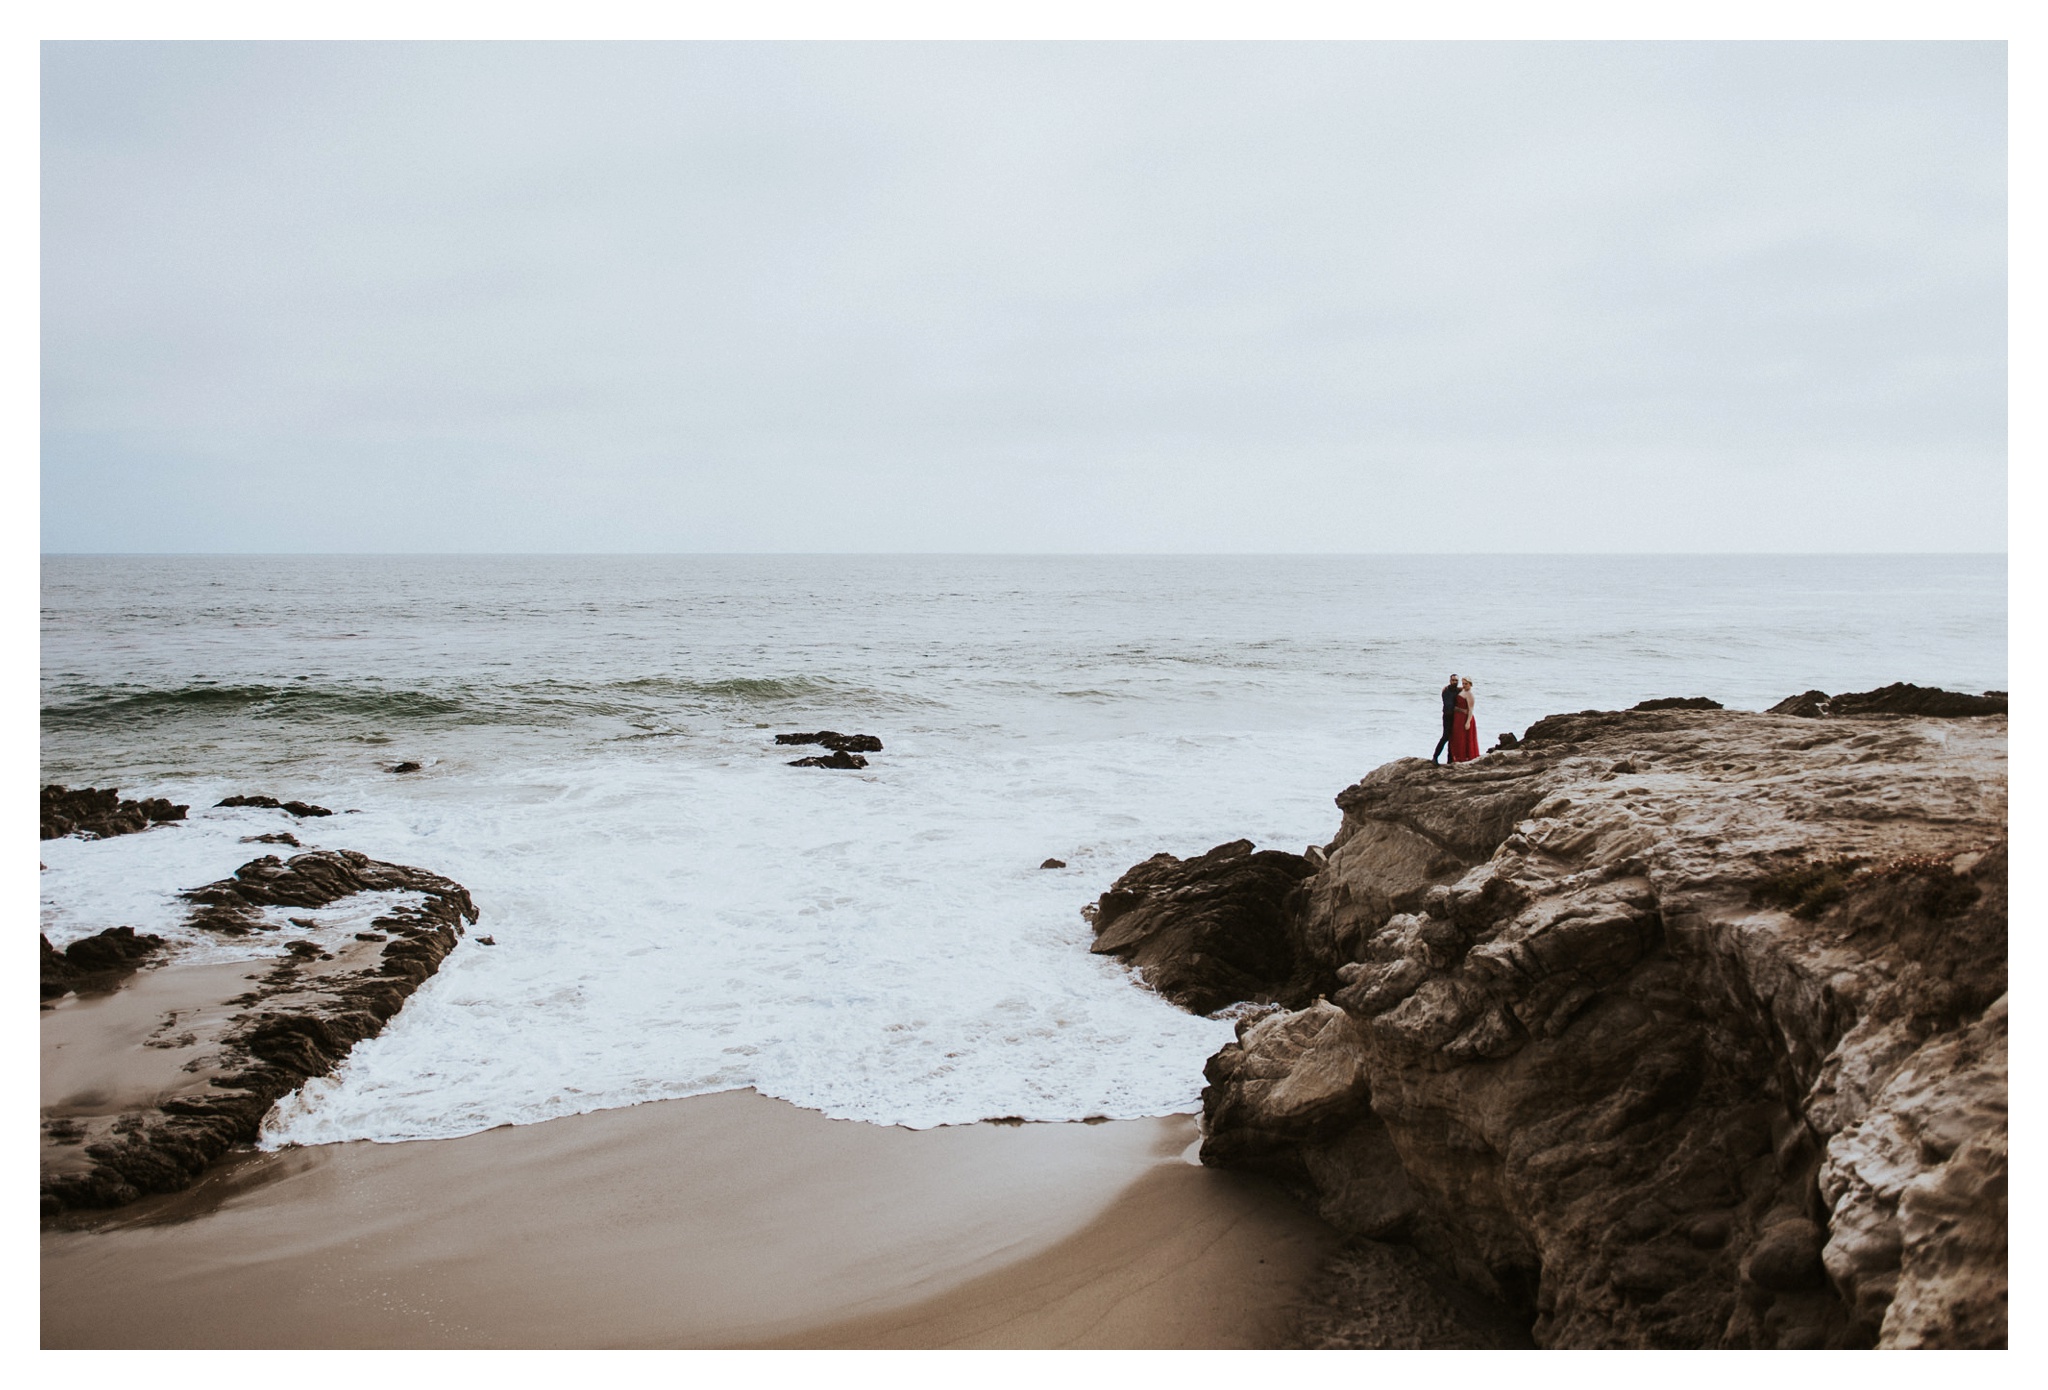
pixel 1464 733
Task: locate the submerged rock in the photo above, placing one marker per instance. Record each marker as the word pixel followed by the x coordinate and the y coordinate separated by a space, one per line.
pixel 407 766
pixel 297 808
pixel 838 743
pixel 100 813
pixel 1674 1027
pixel 840 759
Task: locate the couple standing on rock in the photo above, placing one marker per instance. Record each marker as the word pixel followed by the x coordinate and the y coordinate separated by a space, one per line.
pixel 1459 730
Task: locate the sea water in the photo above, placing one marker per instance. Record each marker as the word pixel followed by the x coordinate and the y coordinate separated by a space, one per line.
pixel 676 911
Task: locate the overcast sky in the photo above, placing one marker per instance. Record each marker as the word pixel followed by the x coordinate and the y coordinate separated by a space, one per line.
pixel 1023 297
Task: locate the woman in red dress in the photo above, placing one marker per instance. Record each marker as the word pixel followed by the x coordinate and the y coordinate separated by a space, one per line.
pixel 1464 733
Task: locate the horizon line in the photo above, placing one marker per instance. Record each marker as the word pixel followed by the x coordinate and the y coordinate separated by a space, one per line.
pixel 1010 554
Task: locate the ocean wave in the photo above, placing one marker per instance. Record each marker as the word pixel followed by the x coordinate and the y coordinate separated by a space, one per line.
pixel 740 689
pixel 88 707
pixel 98 706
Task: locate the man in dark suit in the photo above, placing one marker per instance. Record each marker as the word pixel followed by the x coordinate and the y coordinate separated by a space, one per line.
pixel 1450 712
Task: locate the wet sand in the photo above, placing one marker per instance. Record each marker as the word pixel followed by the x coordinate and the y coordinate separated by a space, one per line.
pixel 718 1221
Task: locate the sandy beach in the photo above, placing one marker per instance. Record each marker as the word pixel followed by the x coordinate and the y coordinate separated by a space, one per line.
pixel 719 1221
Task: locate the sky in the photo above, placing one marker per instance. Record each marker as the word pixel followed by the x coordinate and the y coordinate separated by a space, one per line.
pixel 1023 297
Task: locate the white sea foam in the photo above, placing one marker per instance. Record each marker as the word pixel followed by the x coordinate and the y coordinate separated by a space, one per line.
pixel 878 945
pixel 676 911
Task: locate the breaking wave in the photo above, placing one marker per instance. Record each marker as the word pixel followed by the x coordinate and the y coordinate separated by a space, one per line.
pixel 85 708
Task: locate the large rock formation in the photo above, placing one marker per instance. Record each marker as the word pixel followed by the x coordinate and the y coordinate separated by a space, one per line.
pixel 307 1011
pixel 1670 1027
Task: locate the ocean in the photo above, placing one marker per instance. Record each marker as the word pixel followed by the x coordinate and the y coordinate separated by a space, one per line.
pixel 676 911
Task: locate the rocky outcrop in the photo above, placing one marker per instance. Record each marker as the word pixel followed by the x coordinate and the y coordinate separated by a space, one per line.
pixel 233 906
pixel 838 743
pixel 1677 702
pixel 841 759
pixel 1208 931
pixel 1898 698
pixel 1674 1027
pixel 846 749
pixel 100 813
pixel 97 961
pixel 271 803
pixel 309 1008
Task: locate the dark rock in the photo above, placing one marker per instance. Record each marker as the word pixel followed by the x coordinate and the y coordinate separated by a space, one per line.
pixel 297 1025
pixel 1786 1257
pixel 278 837
pixel 1504 742
pixel 113 949
pixel 1680 702
pixel 1898 698
pixel 95 960
pixel 838 743
pixel 486 941
pixel 841 760
pixel 1054 864
pixel 1646 1273
pixel 407 767
pixel 297 808
pixel 1208 931
pixel 313 879
pixel 1811 705
pixel 100 813
pixel 1709 1232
